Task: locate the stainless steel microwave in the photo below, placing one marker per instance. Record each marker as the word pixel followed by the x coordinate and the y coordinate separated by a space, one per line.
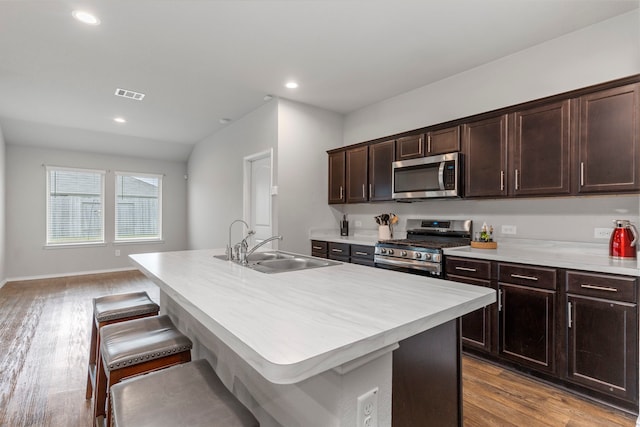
pixel 428 177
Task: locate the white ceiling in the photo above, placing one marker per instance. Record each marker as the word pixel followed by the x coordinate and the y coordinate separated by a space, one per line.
pixel 199 61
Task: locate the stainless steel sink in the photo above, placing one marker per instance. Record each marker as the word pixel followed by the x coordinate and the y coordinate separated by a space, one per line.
pixel 279 262
pixel 296 262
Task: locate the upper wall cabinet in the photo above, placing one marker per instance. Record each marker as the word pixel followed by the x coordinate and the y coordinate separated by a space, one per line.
pixel 357 174
pixel 443 141
pixel 539 150
pixel 608 146
pixel 485 149
pixel 410 147
pixel 381 156
pixel 336 177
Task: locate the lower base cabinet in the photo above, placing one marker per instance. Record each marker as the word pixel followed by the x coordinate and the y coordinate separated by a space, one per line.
pixel 576 329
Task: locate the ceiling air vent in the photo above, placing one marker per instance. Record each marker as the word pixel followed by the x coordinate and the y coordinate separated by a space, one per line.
pixel 125 93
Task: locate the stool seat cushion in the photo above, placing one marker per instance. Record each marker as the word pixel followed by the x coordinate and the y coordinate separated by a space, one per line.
pixel 113 307
pixel 140 340
pixel 190 394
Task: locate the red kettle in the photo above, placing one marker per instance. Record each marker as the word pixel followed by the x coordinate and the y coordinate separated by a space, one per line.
pixel 623 240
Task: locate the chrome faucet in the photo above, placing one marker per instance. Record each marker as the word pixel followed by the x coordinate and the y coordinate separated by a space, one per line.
pixel 243 248
pixel 229 251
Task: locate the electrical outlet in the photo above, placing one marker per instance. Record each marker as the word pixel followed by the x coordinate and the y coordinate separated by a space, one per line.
pixel 601 233
pixel 508 229
pixel 368 409
pixel 358 223
pixel 117 252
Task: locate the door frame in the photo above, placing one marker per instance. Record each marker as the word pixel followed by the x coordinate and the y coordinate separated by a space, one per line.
pixel 246 186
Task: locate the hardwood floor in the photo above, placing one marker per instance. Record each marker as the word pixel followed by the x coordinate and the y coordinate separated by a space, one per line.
pixel 44 337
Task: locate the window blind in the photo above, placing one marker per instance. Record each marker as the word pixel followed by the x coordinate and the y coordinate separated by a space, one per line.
pixel 138 207
pixel 75 206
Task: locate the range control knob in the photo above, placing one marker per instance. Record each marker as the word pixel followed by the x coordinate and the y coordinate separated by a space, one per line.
pixel 390 251
pixel 418 255
pixel 383 251
pixel 427 256
pixel 404 253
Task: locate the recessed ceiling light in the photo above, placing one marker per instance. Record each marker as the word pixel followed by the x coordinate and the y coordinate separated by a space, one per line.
pixel 85 17
pixel 291 85
pixel 119 120
pixel 224 121
pixel 126 93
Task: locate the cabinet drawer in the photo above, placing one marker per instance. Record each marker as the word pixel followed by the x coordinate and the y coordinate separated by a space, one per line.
pixel 362 251
pixel 618 288
pixel 318 246
pixel 468 267
pixel 538 277
pixel 339 249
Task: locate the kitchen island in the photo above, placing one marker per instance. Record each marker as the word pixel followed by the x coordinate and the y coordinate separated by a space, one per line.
pixel 298 348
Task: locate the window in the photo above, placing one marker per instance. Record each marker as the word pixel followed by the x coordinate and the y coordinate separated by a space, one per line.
pixel 138 207
pixel 75 206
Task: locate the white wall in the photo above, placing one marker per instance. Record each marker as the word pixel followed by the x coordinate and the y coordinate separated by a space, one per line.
pixel 596 54
pixel 26 206
pixel 215 185
pixel 3 237
pixel 304 135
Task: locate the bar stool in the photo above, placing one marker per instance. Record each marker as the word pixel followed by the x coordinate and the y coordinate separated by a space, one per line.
pixel 190 394
pixel 112 309
pixel 136 347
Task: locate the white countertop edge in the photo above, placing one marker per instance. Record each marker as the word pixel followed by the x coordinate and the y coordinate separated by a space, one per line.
pixel 295 372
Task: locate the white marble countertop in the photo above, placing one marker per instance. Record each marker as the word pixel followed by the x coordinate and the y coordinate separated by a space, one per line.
pixel 366 237
pixel 572 255
pixel 294 325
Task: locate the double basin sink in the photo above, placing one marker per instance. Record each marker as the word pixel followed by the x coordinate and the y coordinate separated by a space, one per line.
pixel 279 262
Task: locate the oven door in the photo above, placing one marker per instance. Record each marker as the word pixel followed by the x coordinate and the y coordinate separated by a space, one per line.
pixel 422 268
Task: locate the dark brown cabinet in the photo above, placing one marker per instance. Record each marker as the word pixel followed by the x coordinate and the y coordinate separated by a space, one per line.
pixel 362 254
pixel 357 173
pixel 527 302
pixel 410 147
pixel 485 150
pixel 381 156
pixel 608 146
pixel 539 151
pixel 319 248
pixel 602 333
pixel 443 141
pixel 339 251
pixel 476 329
pixel 337 177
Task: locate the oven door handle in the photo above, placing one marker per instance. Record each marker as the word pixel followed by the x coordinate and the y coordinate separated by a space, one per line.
pixel 433 266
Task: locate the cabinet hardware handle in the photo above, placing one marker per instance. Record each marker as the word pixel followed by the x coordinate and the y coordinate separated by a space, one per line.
pixel 429 144
pixel 570 314
pixel 500 300
pixel 364 195
pixel 336 250
pixel 516 179
pixel 316 247
pixel 519 276
pixel 341 192
pixel 501 180
pixel 466 269
pixel 370 191
pixel 581 174
pixel 361 253
pixel 598 288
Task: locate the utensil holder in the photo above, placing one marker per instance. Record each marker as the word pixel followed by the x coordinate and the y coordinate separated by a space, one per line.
pixel 384 232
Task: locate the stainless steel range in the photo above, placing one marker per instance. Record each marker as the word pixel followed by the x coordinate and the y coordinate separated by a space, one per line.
pixel 421 251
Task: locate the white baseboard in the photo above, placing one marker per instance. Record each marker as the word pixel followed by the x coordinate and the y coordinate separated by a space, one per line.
pixel 55 276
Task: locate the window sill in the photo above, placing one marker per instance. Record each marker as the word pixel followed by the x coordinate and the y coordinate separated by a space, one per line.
pixel 74 245
pixel 138 242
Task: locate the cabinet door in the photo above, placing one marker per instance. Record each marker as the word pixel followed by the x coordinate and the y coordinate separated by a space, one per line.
pixel 476 326
pixel 485 149
pixel 319 248
pixel 339 251
pixel 539 151
pixel 410 147
pixel 381 156
pixel 603 345
pixel 527 324
pixel 443 141
pixel 356 181
pixel 609 141
pixel 336 177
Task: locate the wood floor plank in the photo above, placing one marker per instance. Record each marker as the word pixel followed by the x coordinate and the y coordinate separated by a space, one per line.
pixel 44 338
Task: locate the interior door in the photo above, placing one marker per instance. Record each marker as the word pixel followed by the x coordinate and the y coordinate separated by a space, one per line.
pixel 260 198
